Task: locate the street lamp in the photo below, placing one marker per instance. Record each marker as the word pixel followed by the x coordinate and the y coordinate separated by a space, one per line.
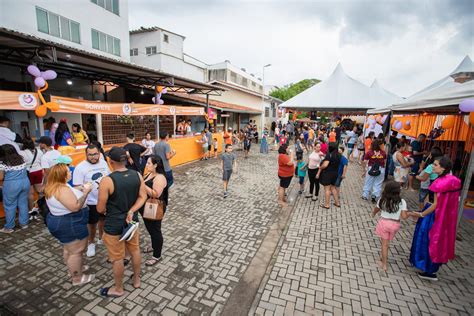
pixel 263 98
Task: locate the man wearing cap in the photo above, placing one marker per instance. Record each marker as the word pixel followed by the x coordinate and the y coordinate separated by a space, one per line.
pixel 121 194
pixel 92 170
pixel 49 155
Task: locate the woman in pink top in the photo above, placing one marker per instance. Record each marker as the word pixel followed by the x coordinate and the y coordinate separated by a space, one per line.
pixel 314 160
pixel 324 146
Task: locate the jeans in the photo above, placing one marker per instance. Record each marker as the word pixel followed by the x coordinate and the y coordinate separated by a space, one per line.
pixel 154 229
pixel 15 195
pixel 373 184
pixel 169 178
pixel 313 182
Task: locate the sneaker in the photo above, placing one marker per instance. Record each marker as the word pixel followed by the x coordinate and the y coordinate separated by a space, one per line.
pixel 308 196
pixel 426 276
pixel 129 231
pixel 226 194
pixel 34 211
pixel 24 227
pixel 374 200
pixel 100 242
pixel 91 250
pixel 300 192
pixel 314 198
pixel 6 230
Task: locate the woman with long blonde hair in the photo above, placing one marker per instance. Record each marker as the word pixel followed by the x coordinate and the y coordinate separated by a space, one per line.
pixel 67 220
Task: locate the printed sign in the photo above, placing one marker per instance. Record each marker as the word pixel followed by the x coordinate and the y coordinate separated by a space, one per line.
pixel 27 100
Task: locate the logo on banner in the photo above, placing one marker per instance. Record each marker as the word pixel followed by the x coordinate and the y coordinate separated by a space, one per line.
pixel 27 100
pixel 201 111
pixel 172 110
pixel 127 109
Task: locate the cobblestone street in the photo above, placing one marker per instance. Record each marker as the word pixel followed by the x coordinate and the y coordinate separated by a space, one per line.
pixel 324 262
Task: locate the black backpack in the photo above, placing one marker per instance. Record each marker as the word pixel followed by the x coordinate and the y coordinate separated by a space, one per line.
pixel 374 171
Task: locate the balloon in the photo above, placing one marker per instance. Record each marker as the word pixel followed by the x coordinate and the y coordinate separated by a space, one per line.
pixel 398 125
pixel 161 102
pixel 366 126
pixel 471 118
pixel 372 126
pixel 41 111
pixel 448 122
pixel 49 75
pixel 53 106
pixel 33 70
pixel 467 105
pixel 384 118
pixel 407 125
pixel 159 89
pixel 40 82
pixel 164 91
pixel 153 99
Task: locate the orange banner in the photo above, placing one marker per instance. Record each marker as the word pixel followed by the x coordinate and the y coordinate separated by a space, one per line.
pixel 70 105
pixel 17 100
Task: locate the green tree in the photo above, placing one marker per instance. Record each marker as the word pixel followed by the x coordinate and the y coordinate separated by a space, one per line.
pixel 290 90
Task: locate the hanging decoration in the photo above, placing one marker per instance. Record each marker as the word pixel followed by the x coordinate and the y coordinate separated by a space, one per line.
pixel 467 105
pixel 159 92
pixel 448 122
pixel 397 125
pixel 41 83
pixel 407 125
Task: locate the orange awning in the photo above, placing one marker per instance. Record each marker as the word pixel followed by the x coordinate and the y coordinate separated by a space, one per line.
pixel 17 100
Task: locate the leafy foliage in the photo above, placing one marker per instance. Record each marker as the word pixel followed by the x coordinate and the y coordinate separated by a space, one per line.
pixel 290 90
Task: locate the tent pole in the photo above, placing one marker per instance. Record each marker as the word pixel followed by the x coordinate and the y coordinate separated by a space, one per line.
pixel 465 189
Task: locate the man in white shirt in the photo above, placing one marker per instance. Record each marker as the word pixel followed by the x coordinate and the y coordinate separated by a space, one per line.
pixel 92 170
pixel 50 155
pixel 6 135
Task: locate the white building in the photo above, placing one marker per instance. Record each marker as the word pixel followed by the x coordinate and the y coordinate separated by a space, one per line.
pixel 98 26
pixel 226 72
pixel 163 50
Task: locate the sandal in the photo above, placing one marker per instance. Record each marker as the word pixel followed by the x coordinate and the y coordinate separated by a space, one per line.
pixel 86 278
pixel 337 205
pixel 153 261
pixel 84 269
pixel 105 292
pixel 323 206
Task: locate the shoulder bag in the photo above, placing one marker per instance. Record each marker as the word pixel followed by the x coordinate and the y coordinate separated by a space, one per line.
pixel 154 209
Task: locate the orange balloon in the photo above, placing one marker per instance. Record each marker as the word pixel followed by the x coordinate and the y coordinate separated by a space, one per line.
pixel 159 89
pixel 41 111
pixel 406 126
pixel 367 125
pixel 53 106
pixel 471 118
pixel 448 122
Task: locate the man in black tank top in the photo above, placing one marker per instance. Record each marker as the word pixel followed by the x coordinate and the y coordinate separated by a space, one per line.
pixel 121 195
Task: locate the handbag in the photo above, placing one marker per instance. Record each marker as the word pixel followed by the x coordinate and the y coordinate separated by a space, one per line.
pixel 154 210
pixel 374 171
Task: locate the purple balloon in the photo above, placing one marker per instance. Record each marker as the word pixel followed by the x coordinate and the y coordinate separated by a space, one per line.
pixel 153 99
pixel 372 126
pixel 161 101
pixel 33 70
pixel 398 125
pixel 40 82
pixel 467 105
pixel 49 74
pixel 164 91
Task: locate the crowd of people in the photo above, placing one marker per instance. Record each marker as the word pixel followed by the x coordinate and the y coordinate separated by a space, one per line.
pixel 382 158
pixel 97 202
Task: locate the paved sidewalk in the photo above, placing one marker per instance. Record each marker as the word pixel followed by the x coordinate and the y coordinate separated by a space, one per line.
pixel 327 265
pixel 208 245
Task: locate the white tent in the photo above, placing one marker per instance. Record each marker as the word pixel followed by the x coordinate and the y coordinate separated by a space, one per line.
pixel 379 97
pixel 442 93
pixel 337 92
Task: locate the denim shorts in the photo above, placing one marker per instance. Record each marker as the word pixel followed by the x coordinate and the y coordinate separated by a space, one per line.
pixel 70 227
pixel 338 181
pixel 422 195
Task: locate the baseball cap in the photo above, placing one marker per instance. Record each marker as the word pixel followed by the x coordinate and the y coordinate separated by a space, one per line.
pixel 45 140
pixel 63 159
pixel 230 128
pixel 117 154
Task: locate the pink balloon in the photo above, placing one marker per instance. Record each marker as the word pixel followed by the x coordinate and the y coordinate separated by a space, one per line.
pixel 40 82
pixel 33 70
pixel 161 101
pixel 467 105
pixel 49 74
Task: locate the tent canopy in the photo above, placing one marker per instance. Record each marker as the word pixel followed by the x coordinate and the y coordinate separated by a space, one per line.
pixel 340 92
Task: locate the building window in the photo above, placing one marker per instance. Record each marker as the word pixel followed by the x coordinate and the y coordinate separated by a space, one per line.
pixel 58 26
pixel 166 38
pixel 245 82
pixel 134 52
pixel 233 77
pixel 254 85
pixel 150 50
pixel 109 5
pixel 274 110
pixel 105 43
pixel 267 112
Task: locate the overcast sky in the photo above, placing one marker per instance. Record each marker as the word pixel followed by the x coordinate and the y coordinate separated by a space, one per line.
pixel 406 45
